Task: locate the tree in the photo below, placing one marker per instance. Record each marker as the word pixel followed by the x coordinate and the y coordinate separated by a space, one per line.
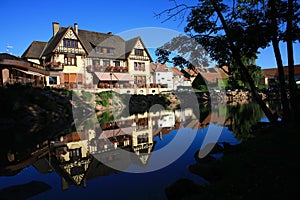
pixel 276 15
pixel 292 34
pixel 224 36
pixel 189 53
pixel 235 78
pixel 229 33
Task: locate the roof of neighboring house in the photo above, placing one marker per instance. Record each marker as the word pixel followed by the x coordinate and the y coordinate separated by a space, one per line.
pixel 213 74
pixel 176 71
pixel 296 68
pixel 189 72
pixel 273 72
pixel 225 69
pixel 269 73
pixel 209 74
pixel 159 68
pixel 35 50
pixel 9 57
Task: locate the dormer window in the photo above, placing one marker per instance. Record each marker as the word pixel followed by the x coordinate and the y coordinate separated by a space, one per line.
pixel 70 43
pixel 139 52
pixel 105 50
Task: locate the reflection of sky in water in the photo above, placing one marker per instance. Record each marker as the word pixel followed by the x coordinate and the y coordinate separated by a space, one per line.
pixel 124 185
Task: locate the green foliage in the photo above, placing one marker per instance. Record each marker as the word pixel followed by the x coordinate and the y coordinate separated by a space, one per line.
pixel 243 117
pixel 222 83
pixel 104 98
pixel 105 118
pixel 200 84
pixel 87 96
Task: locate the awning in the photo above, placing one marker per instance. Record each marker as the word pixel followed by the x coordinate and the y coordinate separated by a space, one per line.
pixel 29 72
pixel 106 76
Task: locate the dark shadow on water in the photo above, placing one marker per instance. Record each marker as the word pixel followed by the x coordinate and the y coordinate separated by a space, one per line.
pixel 24 191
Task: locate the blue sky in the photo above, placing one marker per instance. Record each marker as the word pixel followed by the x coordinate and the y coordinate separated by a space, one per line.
pixel 25 21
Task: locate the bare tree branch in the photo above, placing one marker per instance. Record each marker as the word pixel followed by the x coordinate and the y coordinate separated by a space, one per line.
pixel 178 10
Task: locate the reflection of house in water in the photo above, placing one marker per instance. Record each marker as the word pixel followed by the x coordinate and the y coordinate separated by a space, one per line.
pixel 73 157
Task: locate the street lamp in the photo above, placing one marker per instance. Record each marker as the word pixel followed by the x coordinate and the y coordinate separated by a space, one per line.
pixel 110 74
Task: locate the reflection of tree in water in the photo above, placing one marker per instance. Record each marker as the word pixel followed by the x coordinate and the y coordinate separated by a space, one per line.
pixel 243 117
pixel 205 110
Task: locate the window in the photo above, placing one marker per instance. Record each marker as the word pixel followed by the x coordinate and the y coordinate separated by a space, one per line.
pixel 139 66
pixel 52 80
pixel 104 50
pixel 139 52
pixel 117 63
pixel 140 80
pixel 143 138
pixel 106 63
pixel 96 62
pixel 75 154
pixel 70 60
pixel 110 51
pixel 70 43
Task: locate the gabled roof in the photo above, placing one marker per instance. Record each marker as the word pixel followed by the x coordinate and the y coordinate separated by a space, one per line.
pixel 35 50
pixel 130 44
pixel 54 41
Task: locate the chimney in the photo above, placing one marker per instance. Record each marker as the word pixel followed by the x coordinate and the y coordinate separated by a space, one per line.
pixel 55 27
pixel 76 28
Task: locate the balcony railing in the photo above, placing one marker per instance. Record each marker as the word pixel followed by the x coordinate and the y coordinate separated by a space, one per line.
pixel 143 58
pixel 99 68
pixel 70 50
pixel 54 66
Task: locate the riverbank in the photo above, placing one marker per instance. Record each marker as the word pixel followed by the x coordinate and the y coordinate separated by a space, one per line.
pixel 264 167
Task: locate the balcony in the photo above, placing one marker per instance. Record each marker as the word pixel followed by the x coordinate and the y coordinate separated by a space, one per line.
pixel 54 66
pixel 70 50
pixel 99 68
pixel 141 58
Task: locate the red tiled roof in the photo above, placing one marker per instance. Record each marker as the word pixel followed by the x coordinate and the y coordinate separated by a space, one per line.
pixel 158 67
pixel 176 71
pixel 269 73
pixel 273 72
pixel 213 75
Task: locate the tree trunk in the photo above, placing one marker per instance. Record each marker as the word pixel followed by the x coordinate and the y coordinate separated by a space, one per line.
pixel 237 58
pixel 290 52
pixel 275 43
pixel 283 95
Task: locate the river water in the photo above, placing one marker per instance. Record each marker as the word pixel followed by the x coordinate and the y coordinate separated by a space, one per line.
pixel 126 156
